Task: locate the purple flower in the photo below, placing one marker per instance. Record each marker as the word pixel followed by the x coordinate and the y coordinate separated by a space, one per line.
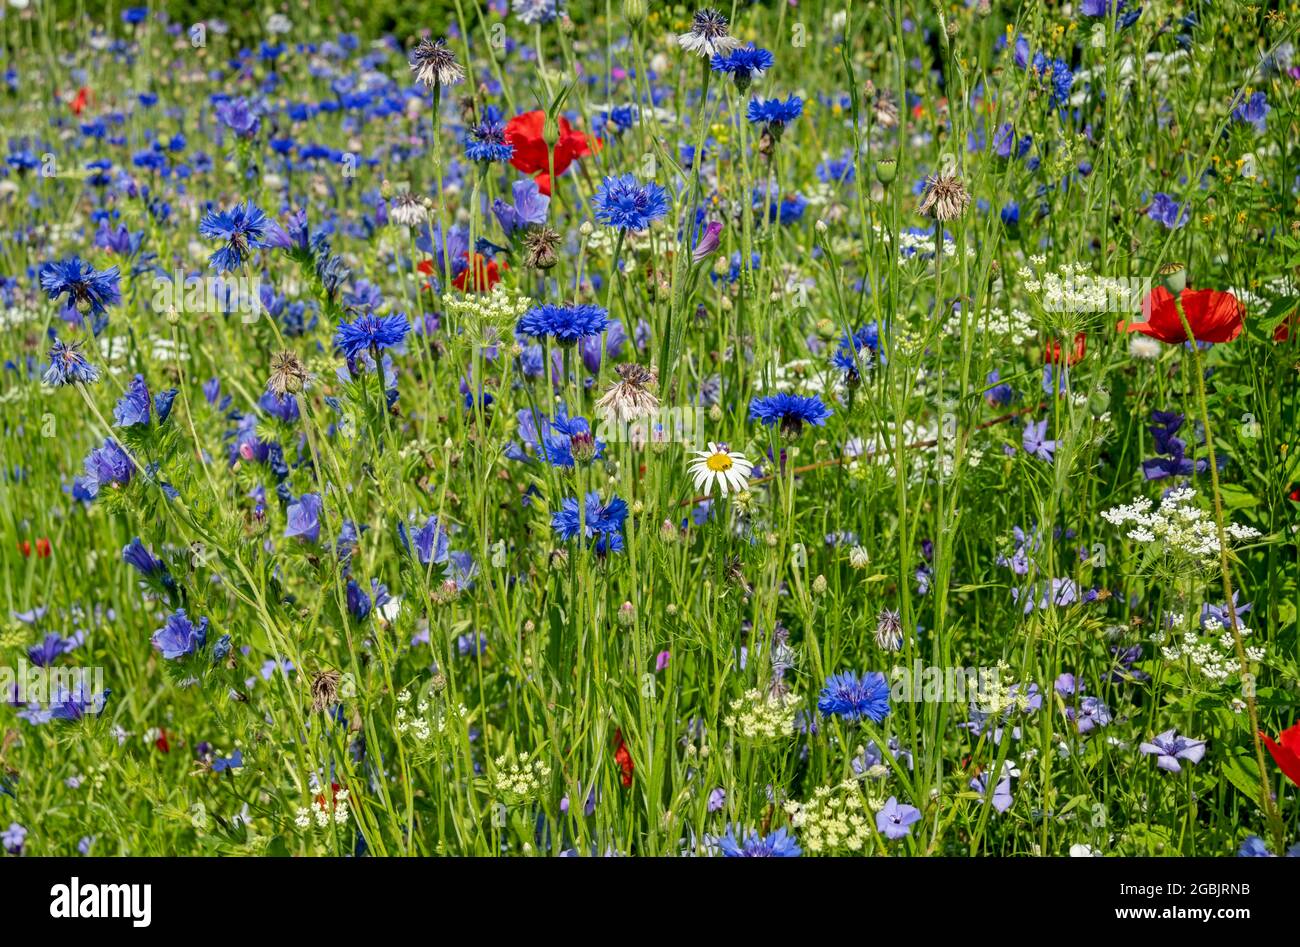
pixel 1169 748
pixel 133 407
pixel 752 845
pixel 1253 111
pixel 13 838
pixel 1165 210
pixel 179 637
pixel 240 117
pixel 717 799
pixel 661 662
pixel 894 820
pixel 529 208
pixel 1034 440
pixel 1001 792
pixel 708 241
pixel 304 517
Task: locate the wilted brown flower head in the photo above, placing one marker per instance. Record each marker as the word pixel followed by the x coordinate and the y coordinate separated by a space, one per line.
pixel 540 246
pixel 434 64
pixel 324 690
pixel 287 374
pixel 629 398
pixel 945 197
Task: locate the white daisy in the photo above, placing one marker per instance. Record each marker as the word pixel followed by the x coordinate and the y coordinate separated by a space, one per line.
pixel 720 464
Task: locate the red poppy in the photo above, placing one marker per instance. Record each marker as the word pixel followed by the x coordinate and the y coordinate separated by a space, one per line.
pixel 79 103
pixel 623 758
pixel 161 743
pixel 1287 754
pixel 1283 330
pixel 531 156
pixel 1052 353
pixel 487 274
pixel 42 548
pixel 1213 316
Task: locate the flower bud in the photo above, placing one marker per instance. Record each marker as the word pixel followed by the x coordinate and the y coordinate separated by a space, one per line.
pixel 886 170
pixel 1174 276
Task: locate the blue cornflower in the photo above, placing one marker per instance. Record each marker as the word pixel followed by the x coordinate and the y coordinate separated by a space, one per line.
pixel 68 366
pixel 240 229
pixel 625 203
pixel 773 112
pixel 565 324
pixel 554 440
pixel 855 351
pixel 601 522
pixel 792 411
pixel 179 637
pixel 487 140
pixel 852 697
pixel 1165 210
pixel 370 332
pixel 304 517
pixel 89 291
pixel 1062 78
pixel 745 64
pixel 779 844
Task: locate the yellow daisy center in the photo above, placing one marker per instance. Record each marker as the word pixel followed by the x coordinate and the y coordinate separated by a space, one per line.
pixel 719 462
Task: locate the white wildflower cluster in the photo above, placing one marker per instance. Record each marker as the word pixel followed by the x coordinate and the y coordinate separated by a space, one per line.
pixel 423 724
pixel 1017 327
pixel 760 717
pixel 1176 524
pixel 1208 648
pixel 518 778
pixel 500 308
pixel 1075 288
pixel 322 815
pixel 835 819
pixel 917 245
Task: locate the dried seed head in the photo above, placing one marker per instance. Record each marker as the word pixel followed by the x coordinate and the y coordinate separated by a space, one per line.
pixel 945 197
pixel 434 64
pixel 324 690
pixel 629 399
pixel 540 246
pixel 288 375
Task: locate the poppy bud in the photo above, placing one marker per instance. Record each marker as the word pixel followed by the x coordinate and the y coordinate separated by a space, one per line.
pixel 1174 276
pixel 886 170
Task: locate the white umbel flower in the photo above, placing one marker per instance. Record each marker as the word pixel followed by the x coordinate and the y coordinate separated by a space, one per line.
pixel 720 465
